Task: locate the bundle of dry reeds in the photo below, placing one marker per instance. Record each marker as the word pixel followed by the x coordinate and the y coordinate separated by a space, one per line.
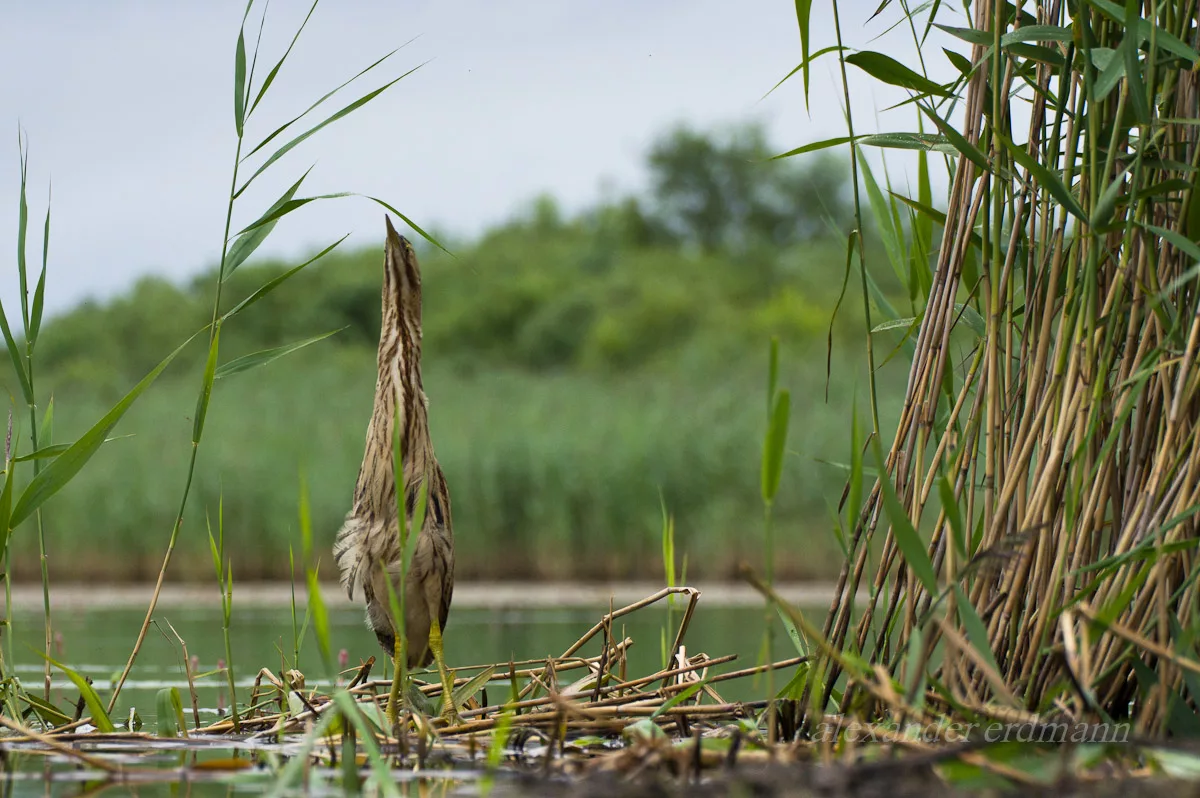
pixel 1035 528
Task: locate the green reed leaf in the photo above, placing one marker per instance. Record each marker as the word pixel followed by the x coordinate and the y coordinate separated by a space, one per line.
pixel 275 282
pixel 239 82
pixel 803 15
pixel 262 358
pixel 95 706
pixel 466 691
pixel 909 141
pixel 678 698
pixel 56 475
pixel 1138 102
pixel 206 386
pixel 964 147
pixel 888 70
pixel 346 111
pixel 245 244
pixel 975 630
pixel 279 64
pixel 1049 180
pixel 773 446
pixel 816 145
pixel 804 65
pixel 39 292
pixel 22 232
pixel 169 710
pixel 907 539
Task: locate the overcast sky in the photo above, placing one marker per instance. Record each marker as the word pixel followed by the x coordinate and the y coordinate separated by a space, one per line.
pixel 127 105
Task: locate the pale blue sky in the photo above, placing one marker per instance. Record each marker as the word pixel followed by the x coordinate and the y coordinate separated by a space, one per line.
pixel 127 106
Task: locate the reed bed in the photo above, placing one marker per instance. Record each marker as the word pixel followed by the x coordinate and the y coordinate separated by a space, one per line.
pixel 1036 526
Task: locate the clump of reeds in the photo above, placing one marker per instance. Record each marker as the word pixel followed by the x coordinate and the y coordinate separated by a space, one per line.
pixel 1035 527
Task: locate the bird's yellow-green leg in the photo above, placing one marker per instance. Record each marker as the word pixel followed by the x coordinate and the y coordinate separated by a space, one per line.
pixel 449 711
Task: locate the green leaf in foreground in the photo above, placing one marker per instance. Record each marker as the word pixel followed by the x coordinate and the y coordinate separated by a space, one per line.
pixel 349 109
pixel 95 706
pixel 67 465
pixel 772 463
pixel 1051 181
pixel 249 241
pixel 813 147
pixel 906 535
pixel 889 70
pixel 262 358
pixel 678 698
pixel 169 708
pixel 271 285
pixel 957 140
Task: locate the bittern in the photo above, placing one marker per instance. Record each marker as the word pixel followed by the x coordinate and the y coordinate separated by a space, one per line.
pixel 367 548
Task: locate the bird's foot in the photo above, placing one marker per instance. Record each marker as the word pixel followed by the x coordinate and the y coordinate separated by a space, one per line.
pixel 449 715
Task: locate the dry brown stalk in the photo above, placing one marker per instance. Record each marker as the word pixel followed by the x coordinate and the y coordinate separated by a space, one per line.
pixel 1070 435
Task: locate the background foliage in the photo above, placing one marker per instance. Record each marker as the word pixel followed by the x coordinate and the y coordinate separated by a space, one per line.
pixel 582 369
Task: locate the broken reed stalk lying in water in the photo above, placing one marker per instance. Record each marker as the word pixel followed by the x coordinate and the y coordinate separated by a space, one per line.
pixel 1053 457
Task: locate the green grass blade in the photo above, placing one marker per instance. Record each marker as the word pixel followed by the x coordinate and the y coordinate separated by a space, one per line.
pixel 277 212
pixel 14 354
pixel 22 231
pixel 385 781
pixel 803 65
pixel 56 475
pixel 854 498
pixel 279 130
pixel 1050 180
pixel 964 147
pixel 274 283
pixel 678 698
pixel 239 82
pixel 888 70
pixel 349 109
pixel 885 224
pixel 416 228
pixel 95 706
pixel 256 359
pixel 921 142
pixel 1036 33
pixel 39 292
pixel 206 386
pixel 953 516
pixel 773 446
pixel 803 16
pixel 245 244
pixel 824 144
pixel 907 539
pixel 470 688
pixel 1140 105
pixel 279 64
pixel 169 706
pixel 976 631
pixel 54 450
pixel 316 605
pixel 772 372
pixel 6 501
pixel 48 713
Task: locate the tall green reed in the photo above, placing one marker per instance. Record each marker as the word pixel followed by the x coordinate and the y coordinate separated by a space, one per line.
pixel 223 567
pixel 237 248
pixel 31 318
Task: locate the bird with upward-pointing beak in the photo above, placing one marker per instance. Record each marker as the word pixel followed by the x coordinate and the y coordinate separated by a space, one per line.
pixel 367 548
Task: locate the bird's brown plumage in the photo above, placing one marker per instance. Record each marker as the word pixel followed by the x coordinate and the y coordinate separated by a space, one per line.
pixel 367 548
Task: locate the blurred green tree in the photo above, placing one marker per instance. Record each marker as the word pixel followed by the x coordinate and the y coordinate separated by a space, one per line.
pixel 721 191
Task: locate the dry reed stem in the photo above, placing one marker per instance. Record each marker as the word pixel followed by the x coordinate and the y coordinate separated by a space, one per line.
pixel 1072 438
